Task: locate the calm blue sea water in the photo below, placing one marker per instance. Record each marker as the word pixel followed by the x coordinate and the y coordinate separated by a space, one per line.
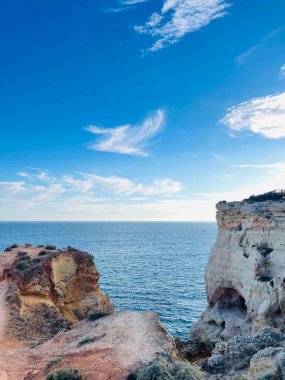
pixel 143 266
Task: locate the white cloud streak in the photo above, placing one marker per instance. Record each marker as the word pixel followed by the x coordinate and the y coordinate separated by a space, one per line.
pixel 282 71
pixel 180 17
pixel 129 139
pixel 128 187
pixel 124 5
pixel 133 2
pixel 265 116
pixel 241 59
pixel 274 166
pixel 83 196
pixel 85 183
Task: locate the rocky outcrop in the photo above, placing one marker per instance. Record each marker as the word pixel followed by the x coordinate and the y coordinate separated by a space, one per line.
pixel 56 323
pixel 236 354
pixel 245 280
pixel 268 364
pixel 49 289
pixel 245 285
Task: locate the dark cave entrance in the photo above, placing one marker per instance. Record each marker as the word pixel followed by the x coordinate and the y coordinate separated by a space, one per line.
pixel 228 298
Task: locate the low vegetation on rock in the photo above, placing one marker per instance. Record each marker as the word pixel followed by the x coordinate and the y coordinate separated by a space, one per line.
pixel 65 374
pixel 86 341
pixel 275 195
pixel 162 370
pixel 51 247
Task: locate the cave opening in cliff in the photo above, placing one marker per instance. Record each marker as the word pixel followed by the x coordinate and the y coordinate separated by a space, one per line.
pixel 231 298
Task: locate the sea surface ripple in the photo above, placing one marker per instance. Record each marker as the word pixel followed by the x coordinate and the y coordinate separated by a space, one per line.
pixel 144 266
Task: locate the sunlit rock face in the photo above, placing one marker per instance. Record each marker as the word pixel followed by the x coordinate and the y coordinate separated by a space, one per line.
pixel 245 275
pixel 49 289
pixel 54 318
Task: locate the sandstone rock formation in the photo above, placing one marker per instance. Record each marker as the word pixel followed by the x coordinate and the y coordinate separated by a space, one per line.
pixel 45 297
pixel 48 290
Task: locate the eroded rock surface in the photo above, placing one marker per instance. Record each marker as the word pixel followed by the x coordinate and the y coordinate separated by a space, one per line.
pixel 45 297
pixel 48 290
pixel 236 354
pixel 111 347
pixel 245 279
pixel 245 285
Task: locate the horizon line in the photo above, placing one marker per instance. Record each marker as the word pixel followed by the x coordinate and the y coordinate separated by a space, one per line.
pixel 107 221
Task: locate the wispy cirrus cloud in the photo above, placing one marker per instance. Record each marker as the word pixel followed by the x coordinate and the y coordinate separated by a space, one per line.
pixel 282 71
pixel 128 139
pixel 275 166
pixel 264 41
pixel 265 116
pixel 70 194
pixel 83 183
pixel 12 186
pixel 39 174
pixel 124 5
pixel 133 2
pixel 180 17
pixel 125 186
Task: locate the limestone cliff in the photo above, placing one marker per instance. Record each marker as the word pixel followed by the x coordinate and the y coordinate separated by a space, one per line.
pixel 245 285
pixel 245 275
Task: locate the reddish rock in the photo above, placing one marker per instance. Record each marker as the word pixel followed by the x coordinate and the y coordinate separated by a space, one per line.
pixel 44 301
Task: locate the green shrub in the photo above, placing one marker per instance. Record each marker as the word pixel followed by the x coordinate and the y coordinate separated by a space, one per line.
pixel 43 253
pixel 13 298
pixel 65 374
pixel 51 247
pixel 21 253
pixel 275 195
pixel 156 371
pixel 72 249
pixel 21 265
pixel 14 246
pixel 270 377
pixel 182 371
pixel 8 249
pixel 36 260
pixel 86 341
pixel 161 370
pixel 23 258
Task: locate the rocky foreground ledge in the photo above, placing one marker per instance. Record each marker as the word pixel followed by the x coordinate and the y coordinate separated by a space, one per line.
pixel 56 323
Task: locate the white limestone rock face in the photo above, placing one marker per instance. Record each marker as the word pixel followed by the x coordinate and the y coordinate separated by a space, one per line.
pixel 245 275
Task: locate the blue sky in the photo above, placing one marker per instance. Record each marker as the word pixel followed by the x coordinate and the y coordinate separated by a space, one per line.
pixel 139 110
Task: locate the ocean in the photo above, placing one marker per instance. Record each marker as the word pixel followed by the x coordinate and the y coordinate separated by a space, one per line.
pixel 144 266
